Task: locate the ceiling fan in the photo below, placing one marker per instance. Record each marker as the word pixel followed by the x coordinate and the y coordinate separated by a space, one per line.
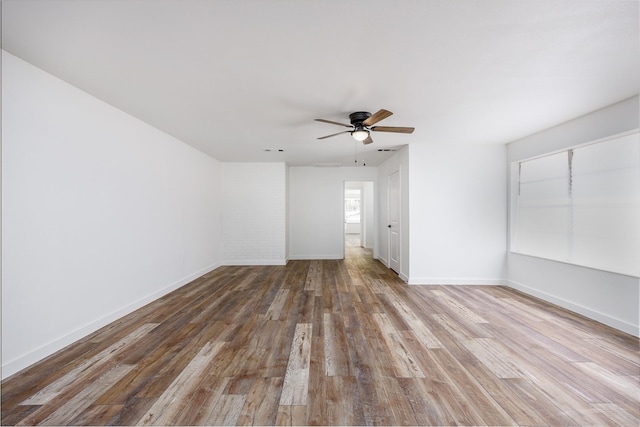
pixel 362 124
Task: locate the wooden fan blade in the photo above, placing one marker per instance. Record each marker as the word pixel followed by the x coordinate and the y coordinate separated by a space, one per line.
pixel 395 129
pixel 375 118
pixel 368 140
pixel 333 123
pixel 334 134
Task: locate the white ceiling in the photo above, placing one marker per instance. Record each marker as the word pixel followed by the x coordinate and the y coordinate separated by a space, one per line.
pixel 233 78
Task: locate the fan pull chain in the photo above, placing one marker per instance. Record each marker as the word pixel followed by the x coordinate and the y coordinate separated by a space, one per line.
pixel 364 162
pixel 355 154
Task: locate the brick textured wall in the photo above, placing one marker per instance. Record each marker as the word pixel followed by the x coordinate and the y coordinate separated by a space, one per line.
pixel 253 213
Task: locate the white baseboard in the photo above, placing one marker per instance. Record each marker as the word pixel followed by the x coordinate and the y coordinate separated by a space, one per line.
pixel 243 262
pixel 585 311
pixel 28 359
pixel 315 257
pixel 447 281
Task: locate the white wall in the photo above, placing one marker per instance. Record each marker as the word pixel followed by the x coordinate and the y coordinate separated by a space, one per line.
pixel 610 298
pixel 101 214
pixel 398 162
pixel 316 210
pixel 458 214
pixel 254 213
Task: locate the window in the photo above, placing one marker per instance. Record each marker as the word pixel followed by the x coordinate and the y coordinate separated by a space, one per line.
pixel 543 207
pixel 352 210
pixel 581 205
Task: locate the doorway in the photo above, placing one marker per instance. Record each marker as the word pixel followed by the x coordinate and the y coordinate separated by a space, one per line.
pixel 359 224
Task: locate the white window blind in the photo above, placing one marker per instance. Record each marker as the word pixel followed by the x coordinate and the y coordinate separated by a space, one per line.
pixel 606 205
pixel 543 207
pixel 582 206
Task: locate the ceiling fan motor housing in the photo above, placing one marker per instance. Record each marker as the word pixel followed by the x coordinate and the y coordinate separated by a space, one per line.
pixel 362 123
pixel 358 117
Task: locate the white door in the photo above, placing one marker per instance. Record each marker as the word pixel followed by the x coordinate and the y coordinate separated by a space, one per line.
pixel 394 221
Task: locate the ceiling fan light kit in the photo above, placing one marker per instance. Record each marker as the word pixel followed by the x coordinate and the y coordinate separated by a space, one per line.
pixel 362 124
pixel 360 134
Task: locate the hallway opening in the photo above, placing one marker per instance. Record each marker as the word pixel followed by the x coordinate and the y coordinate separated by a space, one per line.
pixel 359 224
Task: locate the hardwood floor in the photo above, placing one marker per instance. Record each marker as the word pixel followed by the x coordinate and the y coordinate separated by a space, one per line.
pixel 335 342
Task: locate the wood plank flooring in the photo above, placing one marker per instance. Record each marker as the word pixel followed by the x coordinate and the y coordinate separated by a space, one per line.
pixel 340 342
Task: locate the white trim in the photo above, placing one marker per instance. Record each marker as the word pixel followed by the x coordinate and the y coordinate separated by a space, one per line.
pixel 449 281
pixel 278 261
pixel 583 144
pixel 315 256
pixel 585 311
pixel 383 261
pixel 33 356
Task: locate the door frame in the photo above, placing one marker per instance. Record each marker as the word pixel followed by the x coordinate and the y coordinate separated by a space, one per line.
pixel 375 214
pixel 399 221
